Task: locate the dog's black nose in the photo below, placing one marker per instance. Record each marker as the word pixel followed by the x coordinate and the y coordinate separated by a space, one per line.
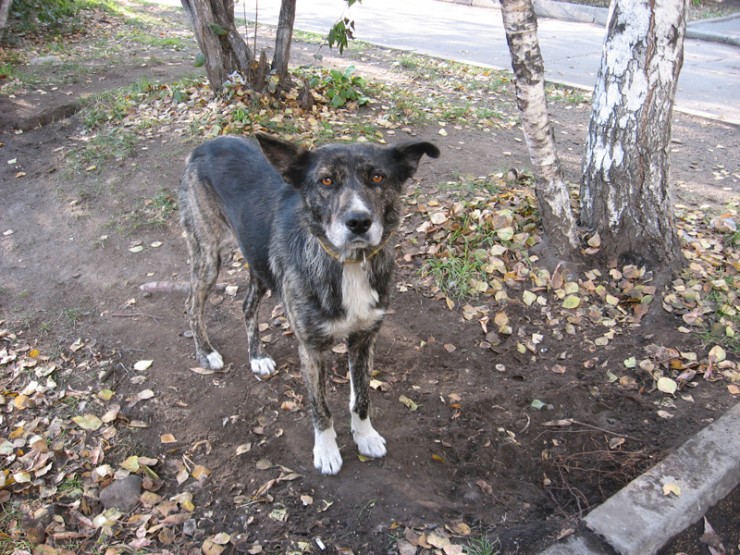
pixel 358 222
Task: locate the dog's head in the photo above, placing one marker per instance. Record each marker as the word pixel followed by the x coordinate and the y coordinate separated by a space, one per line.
pixel 351 191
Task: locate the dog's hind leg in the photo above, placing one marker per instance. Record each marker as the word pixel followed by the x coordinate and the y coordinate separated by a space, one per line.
pixel 326 456
pixel 204 268
pixel 205 229
pixel 369 442
pixel 262 365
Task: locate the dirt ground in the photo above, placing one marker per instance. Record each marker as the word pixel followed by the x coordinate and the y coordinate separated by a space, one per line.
pixel 475 458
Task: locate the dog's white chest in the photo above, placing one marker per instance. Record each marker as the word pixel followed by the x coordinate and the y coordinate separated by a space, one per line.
pixel 359 301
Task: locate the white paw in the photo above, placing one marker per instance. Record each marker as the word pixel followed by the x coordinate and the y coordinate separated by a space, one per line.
pixel 369 442
pixel 326 457
pixel 215 361
pixel 263 367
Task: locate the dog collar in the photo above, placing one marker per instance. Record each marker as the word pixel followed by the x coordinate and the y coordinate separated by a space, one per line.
pixel 365 256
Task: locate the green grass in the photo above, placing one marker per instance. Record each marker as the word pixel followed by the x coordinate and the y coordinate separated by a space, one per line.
pixel 155 212
pixel 113 106
pixel 467 185
pixel 148 37
pixel 10 519
pixel 483 546
pixel 71 486
pixel 109 145
pixel 722 299
pixel 561 93
pixel 405 107
pixel 161 208
pixel 305 36
pixel 51 18
pixel 73 315
pixel 454 273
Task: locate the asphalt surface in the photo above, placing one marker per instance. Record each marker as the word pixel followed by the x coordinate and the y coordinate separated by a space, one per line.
pixel 709 83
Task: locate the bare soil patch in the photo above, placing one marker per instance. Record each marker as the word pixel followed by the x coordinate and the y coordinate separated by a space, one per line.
pixel 500 442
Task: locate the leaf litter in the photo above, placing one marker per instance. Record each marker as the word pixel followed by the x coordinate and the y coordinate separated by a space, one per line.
pixel 494 235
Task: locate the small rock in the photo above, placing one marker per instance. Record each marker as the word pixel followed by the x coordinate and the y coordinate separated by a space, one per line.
pixel 44 60
pixel 122 494
pixel 472 497
pixel 724 225
pixel 189 527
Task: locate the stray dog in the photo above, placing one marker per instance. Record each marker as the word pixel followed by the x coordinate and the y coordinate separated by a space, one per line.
pixel 315 227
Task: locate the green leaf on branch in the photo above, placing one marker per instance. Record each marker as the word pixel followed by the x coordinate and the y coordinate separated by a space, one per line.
pixel 341 33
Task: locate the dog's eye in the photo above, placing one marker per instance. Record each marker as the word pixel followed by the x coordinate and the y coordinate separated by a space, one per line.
pixel 377 179
pixel 327 181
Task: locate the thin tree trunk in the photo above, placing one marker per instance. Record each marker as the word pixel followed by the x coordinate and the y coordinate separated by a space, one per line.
pixel 283 38
pixel 520 24
pixel 224 49
pixel 625 192
pixel 4 12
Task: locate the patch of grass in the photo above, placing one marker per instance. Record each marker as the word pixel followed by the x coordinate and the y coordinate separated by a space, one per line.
pixel 725 318
pixel 569 95
pixel 455 273
pixel 51 18
pixel 483 546
pixel 10 519
pixel 71 486
pixel 113 106
pixel 405 107
pixel 110 144
pixel 467 185
pixel 156 212
pixel 486 113
pixel 148 38
pixel 73 315
pixel 420 67
pixel 456 113
pixel 6 71
pixel 306 36
pixel 65 73
pixel 160 208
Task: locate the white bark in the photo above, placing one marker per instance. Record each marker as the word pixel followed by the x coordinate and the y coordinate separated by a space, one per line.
pixel 625 193
pixel 551 190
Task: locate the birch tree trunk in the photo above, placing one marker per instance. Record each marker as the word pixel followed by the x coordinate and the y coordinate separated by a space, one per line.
pixel 224 49
pixel 520 25
pixel 625 193
pixel 4 12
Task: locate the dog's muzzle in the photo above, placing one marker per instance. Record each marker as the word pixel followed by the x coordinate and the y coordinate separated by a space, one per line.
pixel 358 222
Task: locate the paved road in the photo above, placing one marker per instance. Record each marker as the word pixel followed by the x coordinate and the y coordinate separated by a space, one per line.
pixel 709 82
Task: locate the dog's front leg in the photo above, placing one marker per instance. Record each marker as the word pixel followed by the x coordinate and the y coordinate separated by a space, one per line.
pixel 326 456
pixel 261 364
pixel 369 442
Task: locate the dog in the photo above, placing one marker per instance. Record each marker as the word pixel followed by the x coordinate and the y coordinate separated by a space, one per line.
pixel 316 227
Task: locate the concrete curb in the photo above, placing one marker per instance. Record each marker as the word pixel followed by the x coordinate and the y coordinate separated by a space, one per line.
pixel 713 37
pixel 571 12
pixel 640 518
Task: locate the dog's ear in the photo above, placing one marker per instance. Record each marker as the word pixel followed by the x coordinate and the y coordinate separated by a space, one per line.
pixel 288 159
pixel 410 153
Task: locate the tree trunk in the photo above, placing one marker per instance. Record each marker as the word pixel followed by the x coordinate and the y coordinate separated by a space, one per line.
pixel 224 49
pixel 625 194
pixel 520 25
pixel 283 38
pixel 4 12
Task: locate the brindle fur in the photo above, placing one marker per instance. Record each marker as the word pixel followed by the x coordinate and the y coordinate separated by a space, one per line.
pixel 325 250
